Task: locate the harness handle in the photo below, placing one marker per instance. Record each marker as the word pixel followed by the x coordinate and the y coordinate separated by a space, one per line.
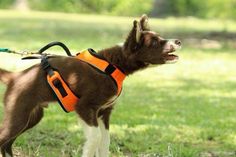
pixel 54 44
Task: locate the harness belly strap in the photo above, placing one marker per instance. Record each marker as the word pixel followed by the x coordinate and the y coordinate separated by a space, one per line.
pixel 66 98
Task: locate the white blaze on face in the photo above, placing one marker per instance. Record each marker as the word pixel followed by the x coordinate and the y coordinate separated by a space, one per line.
pixel 170 47
pixel 171 44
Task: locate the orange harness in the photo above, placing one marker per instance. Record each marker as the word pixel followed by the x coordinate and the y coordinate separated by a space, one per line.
pixel 66 98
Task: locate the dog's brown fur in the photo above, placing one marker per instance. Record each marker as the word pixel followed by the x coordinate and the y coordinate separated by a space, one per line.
pixel 28 91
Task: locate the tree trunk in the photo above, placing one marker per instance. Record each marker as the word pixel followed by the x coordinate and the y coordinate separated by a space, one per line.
pixel 21 5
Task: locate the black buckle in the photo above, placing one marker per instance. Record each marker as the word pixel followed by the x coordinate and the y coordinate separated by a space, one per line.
pixel 110 69
pixel 46 66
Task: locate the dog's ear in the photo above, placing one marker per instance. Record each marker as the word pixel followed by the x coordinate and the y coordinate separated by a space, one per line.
pixel 138 30
pixel 144 23
pixel 140 26
pixel 134 38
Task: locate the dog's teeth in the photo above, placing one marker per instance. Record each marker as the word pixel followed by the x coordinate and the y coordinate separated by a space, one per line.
pixel 171 61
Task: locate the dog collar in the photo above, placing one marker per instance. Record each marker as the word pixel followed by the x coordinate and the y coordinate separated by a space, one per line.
pixel 92 58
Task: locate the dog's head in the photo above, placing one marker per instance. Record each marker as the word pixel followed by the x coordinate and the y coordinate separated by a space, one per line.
pixel 148 46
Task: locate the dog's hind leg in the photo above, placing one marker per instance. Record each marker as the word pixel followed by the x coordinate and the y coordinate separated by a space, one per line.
pixel 35 117
pixel 11 128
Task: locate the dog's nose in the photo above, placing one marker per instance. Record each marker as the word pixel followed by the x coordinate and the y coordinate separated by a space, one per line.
pixel 178 42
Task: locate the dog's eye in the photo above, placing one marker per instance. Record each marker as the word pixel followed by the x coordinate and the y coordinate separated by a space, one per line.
pixel 154 43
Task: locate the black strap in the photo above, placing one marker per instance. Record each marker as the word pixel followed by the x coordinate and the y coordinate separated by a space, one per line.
pixel 40 57
pixel 31 57
pixel 110 69
pixel 57 83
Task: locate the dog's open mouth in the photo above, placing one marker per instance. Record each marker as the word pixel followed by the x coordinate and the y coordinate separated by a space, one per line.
pixel 170 56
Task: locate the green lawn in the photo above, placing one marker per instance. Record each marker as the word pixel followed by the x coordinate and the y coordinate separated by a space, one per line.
pixel 185 109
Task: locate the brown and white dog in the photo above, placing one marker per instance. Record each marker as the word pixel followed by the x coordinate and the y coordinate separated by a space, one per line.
pixel 28 92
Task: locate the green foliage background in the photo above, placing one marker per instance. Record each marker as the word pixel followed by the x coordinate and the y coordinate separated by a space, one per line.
pixel 203 9
pixel 6 3
pixel 114 7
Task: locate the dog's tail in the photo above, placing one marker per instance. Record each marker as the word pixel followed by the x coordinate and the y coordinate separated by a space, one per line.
pixel 5 76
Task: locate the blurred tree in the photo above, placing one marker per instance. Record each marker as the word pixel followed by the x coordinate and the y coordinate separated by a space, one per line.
pixel 161 8
pixel 206 9
pixel 21 5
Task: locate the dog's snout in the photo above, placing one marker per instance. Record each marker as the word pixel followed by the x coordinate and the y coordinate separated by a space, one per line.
pixel 178 42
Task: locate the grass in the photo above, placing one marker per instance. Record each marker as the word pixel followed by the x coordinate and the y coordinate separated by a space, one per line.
pixel 181 110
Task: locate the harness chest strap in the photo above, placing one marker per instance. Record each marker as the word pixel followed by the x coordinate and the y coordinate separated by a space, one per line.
pixel 104 66
pixel 66 98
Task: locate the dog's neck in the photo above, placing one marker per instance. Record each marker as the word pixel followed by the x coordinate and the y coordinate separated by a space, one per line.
pixel 116 56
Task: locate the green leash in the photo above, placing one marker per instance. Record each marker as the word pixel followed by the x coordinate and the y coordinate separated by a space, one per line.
pixel 41 51
pixel 4 50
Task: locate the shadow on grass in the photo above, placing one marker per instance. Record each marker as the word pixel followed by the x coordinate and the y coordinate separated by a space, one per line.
pixel 194 117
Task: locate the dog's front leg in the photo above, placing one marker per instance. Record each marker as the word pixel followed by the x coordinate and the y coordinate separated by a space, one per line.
pixel 103 123
pixel 93 138
pixel 97 140
pixel 103 149
pixel 87 111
